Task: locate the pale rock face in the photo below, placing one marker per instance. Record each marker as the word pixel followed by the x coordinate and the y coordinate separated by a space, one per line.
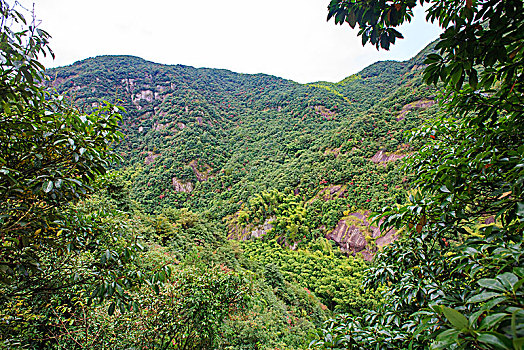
pixel 147 95
pixel 382 157
pixel 129 84
pixel 151 158
pixel 250 231
pixel 180 186
pixel 414 105
pixel 350 235
pixel 323 111
pixel 262 230
pixel 159 126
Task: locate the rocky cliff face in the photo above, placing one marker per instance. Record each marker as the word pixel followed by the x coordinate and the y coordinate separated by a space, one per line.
pixel 235 231
pixel 384 157
pixel 201 171
pixel 150 158
pixel 180 186
pixel 420 104
pixel 354 234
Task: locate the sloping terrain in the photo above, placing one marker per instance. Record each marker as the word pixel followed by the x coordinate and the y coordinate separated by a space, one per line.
pixel 211 140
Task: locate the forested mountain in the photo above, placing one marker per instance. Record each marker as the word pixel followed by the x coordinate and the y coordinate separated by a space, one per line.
pixel 220 142
pixel 207 158
pixel 152 210
pixel 145 206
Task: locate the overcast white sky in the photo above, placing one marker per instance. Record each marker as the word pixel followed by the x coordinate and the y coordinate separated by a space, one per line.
pixel 286 38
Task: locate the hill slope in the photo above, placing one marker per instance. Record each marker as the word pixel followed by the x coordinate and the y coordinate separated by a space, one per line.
pixel 258 152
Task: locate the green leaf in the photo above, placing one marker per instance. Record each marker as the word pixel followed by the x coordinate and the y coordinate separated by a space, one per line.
pixel 474 317
pixel 444 189
pixel 384 41
pixel 457 320
pixel 491 283
pixel 432 58
pixel 494 339
pixel 340 16
pixel 351 19
pixel 473 79
pixel 445 339
pixel 482 297
pixel 518 343
pixel 520 209
pixel 111 309
pixel 27 75
pixel 456 74
pixel 47 186
pixel 397 33
pixel 508 280
pixel 491 320
pixel 119 289
pixel 374 36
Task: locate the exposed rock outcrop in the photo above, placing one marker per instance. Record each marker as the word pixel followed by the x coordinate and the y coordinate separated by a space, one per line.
pixel 151 157
pixel 147 95
pixel 159 126
pixel 354 234
pixel 323 111
pixel 201 174
pixel 129 84
pixel 180 186
pixel 236 231
pixel 382 157
pixel 414 105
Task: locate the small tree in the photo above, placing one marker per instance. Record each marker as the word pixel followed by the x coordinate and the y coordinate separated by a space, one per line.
pixel 52 250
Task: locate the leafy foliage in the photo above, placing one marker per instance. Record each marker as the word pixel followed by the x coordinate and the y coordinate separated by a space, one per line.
pixel 455 279
pixel 138 257
pixel 213 139
pixel 332 277
pixel 54 247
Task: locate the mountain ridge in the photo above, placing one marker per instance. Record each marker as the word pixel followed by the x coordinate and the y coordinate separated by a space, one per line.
pixel 416 58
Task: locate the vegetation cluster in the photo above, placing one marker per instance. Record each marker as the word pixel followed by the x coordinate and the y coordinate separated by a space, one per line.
pixel 146 206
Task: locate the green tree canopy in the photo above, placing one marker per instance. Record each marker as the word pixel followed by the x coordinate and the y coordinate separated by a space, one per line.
pixel 52 245
pixel 455 276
